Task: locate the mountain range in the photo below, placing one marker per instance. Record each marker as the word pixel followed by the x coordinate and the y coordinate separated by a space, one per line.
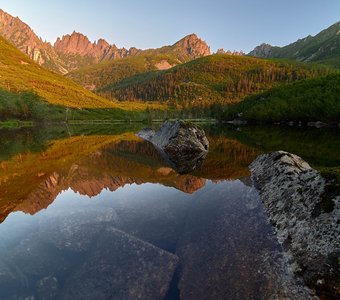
pixel 74 51
pixel 77 73
pixel 322 48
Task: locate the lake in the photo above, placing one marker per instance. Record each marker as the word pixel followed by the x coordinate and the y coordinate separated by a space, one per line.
pixel 93 212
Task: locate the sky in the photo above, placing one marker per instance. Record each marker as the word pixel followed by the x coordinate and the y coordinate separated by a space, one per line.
pixel 228 24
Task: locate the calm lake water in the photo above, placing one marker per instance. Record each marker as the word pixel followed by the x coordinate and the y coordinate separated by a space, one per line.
pixel 95 213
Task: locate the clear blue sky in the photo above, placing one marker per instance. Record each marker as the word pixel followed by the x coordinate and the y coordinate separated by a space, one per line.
pixel 228 24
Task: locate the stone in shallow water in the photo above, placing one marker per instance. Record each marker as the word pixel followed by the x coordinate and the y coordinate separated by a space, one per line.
pixel 34 257
pixel 75 230
pixel 120 266
pixel 28 267
pixel 183 145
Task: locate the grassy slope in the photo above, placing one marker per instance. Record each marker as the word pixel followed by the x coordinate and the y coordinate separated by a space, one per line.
pixel 307 100
pixel 216 78
pixel 20 74
pixel 27 106
pixel 110 72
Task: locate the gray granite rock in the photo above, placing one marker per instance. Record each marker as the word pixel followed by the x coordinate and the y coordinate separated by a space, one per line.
pixel 306 218
pixel 183 145
pixel 122 267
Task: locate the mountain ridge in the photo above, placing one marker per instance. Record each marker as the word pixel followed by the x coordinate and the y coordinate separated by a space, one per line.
pixel 78 51
pixel 23 37
pixel 324 47
pixel 73 51
pixel 18 73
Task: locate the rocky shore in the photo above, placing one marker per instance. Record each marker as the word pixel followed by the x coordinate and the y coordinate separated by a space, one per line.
pixel 305 216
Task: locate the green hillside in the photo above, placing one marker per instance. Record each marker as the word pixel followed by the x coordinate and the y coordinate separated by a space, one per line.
pixel 221 79
pixel 18 73
pixel 100 75
pixel 308 100
pixel 30 92
pixel 27 106
pixel 323 48
pixel 97 76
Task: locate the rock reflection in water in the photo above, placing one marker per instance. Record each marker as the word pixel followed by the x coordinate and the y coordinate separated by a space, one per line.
pixel 30 182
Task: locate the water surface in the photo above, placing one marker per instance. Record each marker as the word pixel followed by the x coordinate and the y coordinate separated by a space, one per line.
pixel 95 213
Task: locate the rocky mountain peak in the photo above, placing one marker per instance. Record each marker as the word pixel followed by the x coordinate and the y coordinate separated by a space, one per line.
pixel 229 52
pixel 75 50
pixel 263 50
pixel 102 44
pixel 75 43
pixel 23 37
pixel 17 32
pixel 193 46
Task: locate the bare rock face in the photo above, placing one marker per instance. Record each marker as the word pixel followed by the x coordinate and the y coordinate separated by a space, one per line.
pixel 22 36
pixel 78 45
pixel 80 51
pixel 193 46
pixel 182 144
pixel 305 216
pixel 263 50
pixel 236 53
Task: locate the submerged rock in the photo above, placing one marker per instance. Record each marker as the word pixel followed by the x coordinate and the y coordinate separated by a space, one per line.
pixel 305 217
pixel 183 145
pixel 121 266
pixel 47 288
pixel 221 259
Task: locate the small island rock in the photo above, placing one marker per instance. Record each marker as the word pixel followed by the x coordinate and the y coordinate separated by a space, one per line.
pixel 184 145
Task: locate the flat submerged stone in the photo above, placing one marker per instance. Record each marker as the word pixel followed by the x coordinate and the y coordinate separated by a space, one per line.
pixel 122 267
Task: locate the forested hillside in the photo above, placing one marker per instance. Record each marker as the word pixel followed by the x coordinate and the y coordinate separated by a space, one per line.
pixel 308 100
pixel 223 79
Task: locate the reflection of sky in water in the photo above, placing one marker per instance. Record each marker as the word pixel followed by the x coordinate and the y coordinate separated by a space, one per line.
pixel 219 232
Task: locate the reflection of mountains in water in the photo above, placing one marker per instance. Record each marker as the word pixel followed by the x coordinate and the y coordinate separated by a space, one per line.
pixel 88 164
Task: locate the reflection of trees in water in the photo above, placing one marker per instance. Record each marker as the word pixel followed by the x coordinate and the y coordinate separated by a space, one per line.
pixel 320 147
pixel 227 159
pixel 89 164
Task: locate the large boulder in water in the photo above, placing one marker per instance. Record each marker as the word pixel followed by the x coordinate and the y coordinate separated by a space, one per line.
pixel 305 215
pixel 184 145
